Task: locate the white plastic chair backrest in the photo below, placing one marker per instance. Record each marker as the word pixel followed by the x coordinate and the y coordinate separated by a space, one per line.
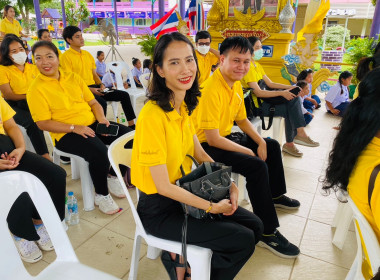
pixel 117 155
pixel 368 237
pixel 145 80
pixel 13 183
pixel 118 70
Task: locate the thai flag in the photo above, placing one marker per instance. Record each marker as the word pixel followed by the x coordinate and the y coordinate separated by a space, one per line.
pixel 191 14
pixel 167 24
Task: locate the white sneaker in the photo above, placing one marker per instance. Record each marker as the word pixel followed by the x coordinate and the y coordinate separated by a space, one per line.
pixel 44 242
pixel 106 204
pixel 28 250
pixel 115 187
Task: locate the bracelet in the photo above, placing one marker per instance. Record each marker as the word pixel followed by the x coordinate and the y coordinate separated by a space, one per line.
pixel 209 209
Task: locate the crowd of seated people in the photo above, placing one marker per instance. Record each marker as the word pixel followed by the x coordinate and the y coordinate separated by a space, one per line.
pixel 190 109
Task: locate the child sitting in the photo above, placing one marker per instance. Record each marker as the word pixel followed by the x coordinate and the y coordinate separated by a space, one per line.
pixel 310 101
pixel 100 64
pixel 305 90
pixel 136 71
pixel 147 66
pixel 337 99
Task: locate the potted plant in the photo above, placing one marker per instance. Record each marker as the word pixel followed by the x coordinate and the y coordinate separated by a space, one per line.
pixel 147 44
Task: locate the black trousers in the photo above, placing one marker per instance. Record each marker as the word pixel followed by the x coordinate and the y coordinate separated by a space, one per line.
pixel 52 176
pixel 265 179
pixel 94 151
pixel 123 97
pixel 231 238
pixel 24 118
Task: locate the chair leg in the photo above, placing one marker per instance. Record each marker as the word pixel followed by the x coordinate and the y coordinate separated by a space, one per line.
pixel 200 266
pixel 277 130
pixel 87 187
pixel 75 169
pixel 153 252
pixel 115 109
pixel 343 225
pixel 135 258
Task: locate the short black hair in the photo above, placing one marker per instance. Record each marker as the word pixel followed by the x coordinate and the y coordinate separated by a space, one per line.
pixel 4 49
pixel 147 63
pixel 69 32
pixel 40 32
pixel 47 44
pixel 236 43
pixel 203 34
pixel 99 53
pixel 253 40
pixel 302 84
pixel 303 74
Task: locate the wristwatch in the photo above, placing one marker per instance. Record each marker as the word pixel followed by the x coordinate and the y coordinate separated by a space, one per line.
pixel 72 127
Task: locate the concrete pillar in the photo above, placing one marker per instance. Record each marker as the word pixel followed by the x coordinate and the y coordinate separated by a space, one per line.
pixel 161 8
pixel 36 4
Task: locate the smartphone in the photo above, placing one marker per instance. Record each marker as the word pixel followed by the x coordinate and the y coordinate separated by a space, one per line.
pixel 112 129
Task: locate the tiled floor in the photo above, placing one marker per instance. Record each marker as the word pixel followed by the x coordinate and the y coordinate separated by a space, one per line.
pixel 105 242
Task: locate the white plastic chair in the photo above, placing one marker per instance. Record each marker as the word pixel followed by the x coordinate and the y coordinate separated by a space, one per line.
pixel 133 91
pixel 114 104
pixel 342 220
pixel 198 257
pixel 28 144
pixel 79 170
pixel 66 266
pixel 368 245
pixel 144 80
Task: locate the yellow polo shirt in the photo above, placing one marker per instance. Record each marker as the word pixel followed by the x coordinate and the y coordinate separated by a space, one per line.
pixel 161 138
pixel 358 184
pixel 81 63
pixel 10 28
pixel 18 80
pixel 50 27
pixel 219 106
pixel 255 74
pixel 204 65
pixel 6 112
pixel 64 100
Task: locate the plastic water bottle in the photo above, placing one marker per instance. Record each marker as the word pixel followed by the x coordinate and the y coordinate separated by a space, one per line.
pixel 67 214
pixel 72 206
pixel 122 118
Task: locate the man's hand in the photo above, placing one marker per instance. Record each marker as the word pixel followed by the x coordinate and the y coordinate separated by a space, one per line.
pixel 287 95
pixel 262 150
pixel 234 197
pixel 96 91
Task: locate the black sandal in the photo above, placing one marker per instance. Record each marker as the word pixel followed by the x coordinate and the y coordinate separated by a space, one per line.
pixel 171 265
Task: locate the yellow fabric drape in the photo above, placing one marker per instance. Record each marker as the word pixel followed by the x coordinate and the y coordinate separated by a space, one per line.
pixel 316 24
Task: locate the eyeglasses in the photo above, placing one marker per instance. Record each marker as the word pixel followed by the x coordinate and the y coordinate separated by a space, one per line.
pixel 204 44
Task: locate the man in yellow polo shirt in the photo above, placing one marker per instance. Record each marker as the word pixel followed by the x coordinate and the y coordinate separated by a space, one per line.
pixel 82 63
pixel 206 56
pixel 257 159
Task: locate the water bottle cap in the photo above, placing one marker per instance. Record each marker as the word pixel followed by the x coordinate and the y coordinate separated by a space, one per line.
pixel 71 193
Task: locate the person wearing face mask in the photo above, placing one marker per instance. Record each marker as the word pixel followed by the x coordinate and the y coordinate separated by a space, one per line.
pixel 15 77
pixel 207 57
pixel 291 110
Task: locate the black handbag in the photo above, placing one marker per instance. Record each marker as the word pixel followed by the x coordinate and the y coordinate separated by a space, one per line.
pixel 210 181
pixel 273 101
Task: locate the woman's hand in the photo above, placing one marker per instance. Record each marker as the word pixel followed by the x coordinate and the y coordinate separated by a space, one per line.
pixel 262 150
pixel 223 206
pixel 287 95
pixel 84 131
pixel 7 162
pixel 17 154
pixel 234 197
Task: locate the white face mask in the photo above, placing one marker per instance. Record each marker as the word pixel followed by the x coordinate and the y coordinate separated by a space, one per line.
pixel 203 49
pixel 19 58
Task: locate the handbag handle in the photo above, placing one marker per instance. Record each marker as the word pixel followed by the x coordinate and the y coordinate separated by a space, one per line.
pixel 207 165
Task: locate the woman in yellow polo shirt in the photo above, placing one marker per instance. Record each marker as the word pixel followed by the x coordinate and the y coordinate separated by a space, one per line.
pixel 23 219
pixel 9 24
pixel 15 77
pixel 356 151
pixel 164 135
pixel 61 103
pixel 291 110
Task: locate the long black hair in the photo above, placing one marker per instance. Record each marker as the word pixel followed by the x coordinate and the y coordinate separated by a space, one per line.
pixel 5 60
pixel 358 127
pixel 344 75
pixel 6 9
pixel 157 89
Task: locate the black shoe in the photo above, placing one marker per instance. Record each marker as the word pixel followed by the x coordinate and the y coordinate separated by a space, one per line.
pixel 65 160
pixel 279 245
pixel 286 202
